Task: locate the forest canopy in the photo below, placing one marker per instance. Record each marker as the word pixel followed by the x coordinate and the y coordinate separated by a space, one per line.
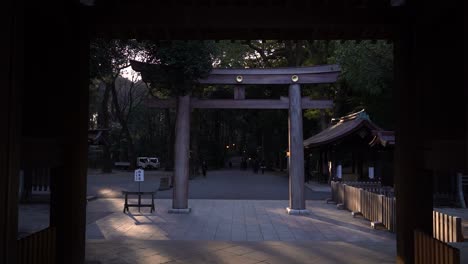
pixel 117 95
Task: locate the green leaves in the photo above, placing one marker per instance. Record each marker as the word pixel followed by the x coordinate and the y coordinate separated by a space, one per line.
pixel 182 63
pixel 366 66
pixel 366 79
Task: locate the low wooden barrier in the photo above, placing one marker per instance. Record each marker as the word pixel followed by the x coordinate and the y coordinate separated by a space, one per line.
pixel 371 206
pixel 37 248
pixel 337 191
pixel 381 209
pixel 389 213
pixel 378 208
pixel 368 186
pixel 40 180
pixel 352 198
pixel 428 250
pixel 447 228
pixel 341 193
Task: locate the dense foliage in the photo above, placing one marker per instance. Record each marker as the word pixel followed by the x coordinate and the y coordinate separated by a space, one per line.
pixel 366 82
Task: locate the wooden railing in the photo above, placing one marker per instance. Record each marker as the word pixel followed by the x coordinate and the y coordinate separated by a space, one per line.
pixel 368 186
pixel 374 187
pixel 371 206
pixel 428 250
pixel 337 192
pixel 40 179
pixel 380 209
pixel 37 248
pixel 447 228
pixel 352 198
pixel 389 213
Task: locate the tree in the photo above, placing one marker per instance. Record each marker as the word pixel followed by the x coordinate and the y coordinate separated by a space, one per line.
pixel 108 58
pixel 179 66
pixel 367 79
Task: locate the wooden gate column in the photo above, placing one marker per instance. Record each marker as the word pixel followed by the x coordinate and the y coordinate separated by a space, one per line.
pixel 181 157
pixel 11 80
pixel 296 150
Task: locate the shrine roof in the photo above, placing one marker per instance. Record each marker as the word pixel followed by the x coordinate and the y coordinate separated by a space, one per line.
pixel 384 138
pixel 340 128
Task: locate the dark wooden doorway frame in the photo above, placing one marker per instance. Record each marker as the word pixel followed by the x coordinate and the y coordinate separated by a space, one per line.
pixel 410 26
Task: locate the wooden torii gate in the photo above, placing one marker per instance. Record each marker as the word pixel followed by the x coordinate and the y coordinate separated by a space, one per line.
pixel 293 76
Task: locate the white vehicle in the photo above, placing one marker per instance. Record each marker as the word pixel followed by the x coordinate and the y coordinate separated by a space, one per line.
pixel 148 163
pixel 154 162
pixel 145 163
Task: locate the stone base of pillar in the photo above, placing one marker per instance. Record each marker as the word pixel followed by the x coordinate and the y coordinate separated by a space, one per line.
pixel 297 211
pixel 179 211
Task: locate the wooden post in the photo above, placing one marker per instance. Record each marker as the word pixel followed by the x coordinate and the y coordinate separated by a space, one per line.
pixel 11 80
pixel 413 187
pixel 181 157
pixel 296 152
pixel 239 92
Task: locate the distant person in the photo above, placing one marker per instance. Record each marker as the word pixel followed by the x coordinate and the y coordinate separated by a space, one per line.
pixel 204 168
pixel 230 164
pixel 255 165
pixel 243 164
pixel 262 166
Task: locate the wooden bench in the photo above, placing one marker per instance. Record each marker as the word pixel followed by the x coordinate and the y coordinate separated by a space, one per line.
pixel 139 204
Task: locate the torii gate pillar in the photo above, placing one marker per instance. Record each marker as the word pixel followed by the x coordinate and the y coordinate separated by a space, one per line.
pixel 296 152
pixel 181 157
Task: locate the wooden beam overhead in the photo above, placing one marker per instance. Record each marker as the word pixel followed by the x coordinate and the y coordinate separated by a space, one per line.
pixel 271 78
pixel 282 103
pixel 300 75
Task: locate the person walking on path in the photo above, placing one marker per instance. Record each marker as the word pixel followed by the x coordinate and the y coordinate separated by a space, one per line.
pixel 255 166
pixel 262 166
pixel 204 168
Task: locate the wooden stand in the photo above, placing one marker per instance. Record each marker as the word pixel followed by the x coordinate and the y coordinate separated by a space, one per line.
pixel 139 204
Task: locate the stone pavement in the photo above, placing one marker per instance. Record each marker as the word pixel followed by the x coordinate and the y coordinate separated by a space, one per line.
pixel 32 218
pixel 219 184
pixel 237 220
pixel 238 252
pixel 318 187
pixel 233 231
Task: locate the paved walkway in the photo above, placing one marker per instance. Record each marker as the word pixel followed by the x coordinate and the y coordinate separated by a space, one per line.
pixel 205 252
pixel 233 231
pixel 219 184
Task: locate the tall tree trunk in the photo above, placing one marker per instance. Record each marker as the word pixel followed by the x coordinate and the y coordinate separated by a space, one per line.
pixel 169 141
pixel 103 123
pixel 130 148
pixel 124 123
pixel 219 148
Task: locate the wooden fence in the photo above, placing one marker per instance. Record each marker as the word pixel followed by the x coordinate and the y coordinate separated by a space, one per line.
pixel 447 228
pixel 37 248
pixel 374 187
pixel 352 198
pixel 337 192
pixel 40 179
pixel 368 186
pixel 389 213
pixel 381 209
pixel 373 206
pixel 428 250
